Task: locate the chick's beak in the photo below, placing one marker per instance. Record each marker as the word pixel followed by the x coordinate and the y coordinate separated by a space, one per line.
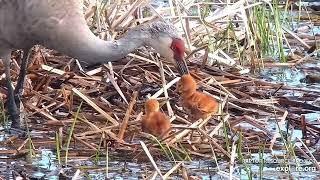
pixel 181 66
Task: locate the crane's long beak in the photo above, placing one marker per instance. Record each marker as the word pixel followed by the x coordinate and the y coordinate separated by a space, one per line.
pixel 182 66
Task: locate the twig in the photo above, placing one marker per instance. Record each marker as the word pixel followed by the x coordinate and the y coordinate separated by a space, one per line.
pixel 97 108
pixel 144 147
pixel 124 123
pixel 313 159
pixel 172 170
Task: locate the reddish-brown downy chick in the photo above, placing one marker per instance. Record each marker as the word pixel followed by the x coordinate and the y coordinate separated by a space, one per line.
pixel 199 104
pixel 154 122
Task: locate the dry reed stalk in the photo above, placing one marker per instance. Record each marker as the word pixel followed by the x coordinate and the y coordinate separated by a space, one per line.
pixel 121 19
pixel 303 126
pixel 215 143
pixel 42 112
pixel 91 125
pixel 115 137
pixel 90 11
pixel 114 83
pixel 197 124
pixel 253 122
pixel 76 175
pixel 296 37
pixel 165 92
pixel 153 176
pixel 312 158
pixel 94 71
pixel 306 57
pixel 171 83
pixel 174 168
pixel 226 92
pixel 142 58
pixel 277 134
pixel 61 72
pixel 22 145
pixel 10 140
pixel 85 143
pixel 144 147
pixel 124 123
pixel 97 108
pixel 232 160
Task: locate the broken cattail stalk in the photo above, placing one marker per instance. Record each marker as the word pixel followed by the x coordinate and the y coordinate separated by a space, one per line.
pixel 172 170
pixel 171 83
pixel 197 123
pixel 303 126
pixel 165 92
pixel 232 160
pixel 144 147
pixel 214 142
pixel 312 158
pixel 97 108
pixel 124 123
pixel 277 134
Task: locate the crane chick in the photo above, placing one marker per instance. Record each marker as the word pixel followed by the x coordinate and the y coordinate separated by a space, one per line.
pixel 199 105
pixel 154 122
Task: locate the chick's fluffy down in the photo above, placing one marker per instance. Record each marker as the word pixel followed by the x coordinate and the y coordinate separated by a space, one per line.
pixel 155 123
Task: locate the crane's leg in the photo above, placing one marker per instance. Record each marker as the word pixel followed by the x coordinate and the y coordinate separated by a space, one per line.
pixel 22 77
pixel 11 104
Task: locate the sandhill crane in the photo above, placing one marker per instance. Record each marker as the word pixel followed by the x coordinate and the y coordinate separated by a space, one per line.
pixel 60 25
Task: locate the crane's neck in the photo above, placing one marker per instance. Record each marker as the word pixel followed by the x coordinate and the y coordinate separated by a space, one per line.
pixel 82 44
pixel 61 25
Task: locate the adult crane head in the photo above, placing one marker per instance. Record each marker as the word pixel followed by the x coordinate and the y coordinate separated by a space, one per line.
pixel 163 37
